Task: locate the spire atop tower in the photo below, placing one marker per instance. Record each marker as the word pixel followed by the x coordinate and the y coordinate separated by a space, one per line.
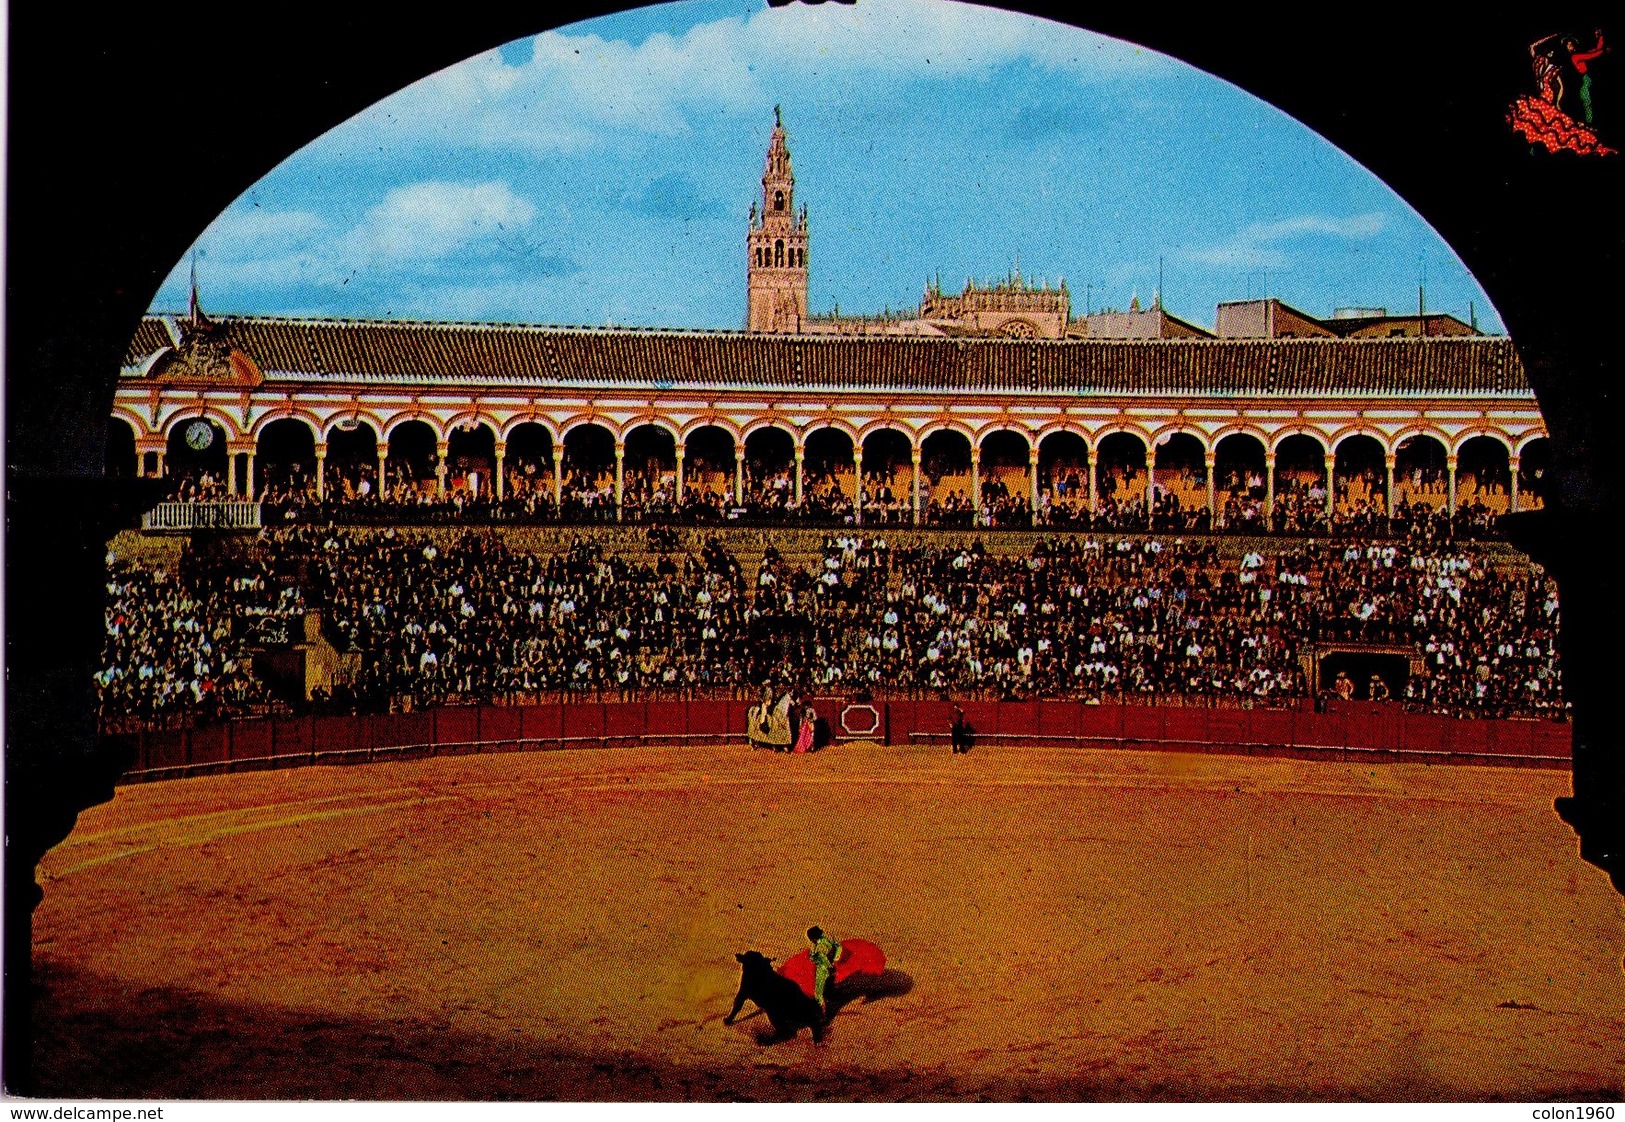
pixel 776 263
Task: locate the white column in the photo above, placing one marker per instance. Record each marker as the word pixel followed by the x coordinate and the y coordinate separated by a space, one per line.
pixel 248 482
pixel 1450 471
pixel 976 481
pixel 1212 488
pixel 857 484
pixel 1269 484
pixel 1032 475
pixel 1094 482
pixel 620 477
pixel 916 486
pixel 502 454
pixel 1388 463
pixel 1150 483
pixel 739 476
pixel 558 476
pixel 231 472
pixel 159 466
pixel 321 471
pixel 801 459
pixel 383 469
pixel 1512 495
pixel 678 479
pixel 441 450
pixel 1331 482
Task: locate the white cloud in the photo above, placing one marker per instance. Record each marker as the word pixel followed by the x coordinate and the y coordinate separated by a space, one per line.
pixel 248 232
pixel 1258 245
pixel 578 87
pixel 428 220
pixel 413 227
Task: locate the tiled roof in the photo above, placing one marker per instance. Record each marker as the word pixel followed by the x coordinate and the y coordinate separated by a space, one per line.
pixel 506 354
pixel 148 338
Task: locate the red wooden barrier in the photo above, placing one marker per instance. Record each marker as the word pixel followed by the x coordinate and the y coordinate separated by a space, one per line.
pixel 291 736
pixel 714 721
pixel 499 725
pixel 456 724
pixel 583 722
pixel 1347 729
pixel 542 723
pixel 251 740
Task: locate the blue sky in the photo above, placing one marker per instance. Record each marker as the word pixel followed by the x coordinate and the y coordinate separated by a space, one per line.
pixel 601 174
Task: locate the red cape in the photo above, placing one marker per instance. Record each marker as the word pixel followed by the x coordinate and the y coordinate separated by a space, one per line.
pixel 860 957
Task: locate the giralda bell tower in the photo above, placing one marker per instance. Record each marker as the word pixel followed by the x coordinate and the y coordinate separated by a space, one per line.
pixel 776 245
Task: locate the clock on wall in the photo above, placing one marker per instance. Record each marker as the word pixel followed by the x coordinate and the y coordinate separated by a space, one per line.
pixel 199 435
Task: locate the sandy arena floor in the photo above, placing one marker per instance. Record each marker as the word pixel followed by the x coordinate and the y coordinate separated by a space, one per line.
pixel 1060 923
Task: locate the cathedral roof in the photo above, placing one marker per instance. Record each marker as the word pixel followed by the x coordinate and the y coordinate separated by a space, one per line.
pixel 468 354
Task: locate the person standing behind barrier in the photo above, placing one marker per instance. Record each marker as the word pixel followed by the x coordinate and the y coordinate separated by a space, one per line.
pixel 961 732
pixel 804 732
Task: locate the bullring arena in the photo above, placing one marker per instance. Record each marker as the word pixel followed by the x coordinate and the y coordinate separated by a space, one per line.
pixel 1059 922
pixel 432 673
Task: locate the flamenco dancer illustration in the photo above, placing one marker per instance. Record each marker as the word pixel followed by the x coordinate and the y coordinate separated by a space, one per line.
pixel 1560 116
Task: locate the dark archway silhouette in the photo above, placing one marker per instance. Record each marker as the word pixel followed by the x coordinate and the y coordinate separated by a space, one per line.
pixel 89 271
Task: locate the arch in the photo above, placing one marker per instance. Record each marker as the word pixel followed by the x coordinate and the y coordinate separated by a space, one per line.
pixel 1475 433
pixel 829 432
pixel 830 421
pixel 1117 428
pixel 1286 434
pixel 137 423
pixel 1529 438
pixel 993 430
pixel 318 432
pixel 285 453
pixel 365 419
pixel 183 461
pixel 471 456
pixel 1166 452
pixel 514 422
pixel 528 462
pixel 473 417
pixel 412 449
pixel 938 435
pixel 1484 471
pixel 718 422
pixel 1159 436
pixel 406 416
pixel 1240 428
pixel 1353 431
pixel 759 423
pixel 1239 462
pixel 1064 462
pixel 874 440
pixel 204 412
pixel 1360 475
pixel 892 424
pixel 650 459
pixel 1420 460
pixel 758 443
pixel 352 457
pixel 947 424
pixel 1412 431
pixel 582 419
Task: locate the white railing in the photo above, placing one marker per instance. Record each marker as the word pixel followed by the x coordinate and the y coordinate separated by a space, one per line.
pixel 240 515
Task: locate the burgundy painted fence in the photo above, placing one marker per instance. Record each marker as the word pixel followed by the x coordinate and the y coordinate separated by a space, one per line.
pixel 1348 730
